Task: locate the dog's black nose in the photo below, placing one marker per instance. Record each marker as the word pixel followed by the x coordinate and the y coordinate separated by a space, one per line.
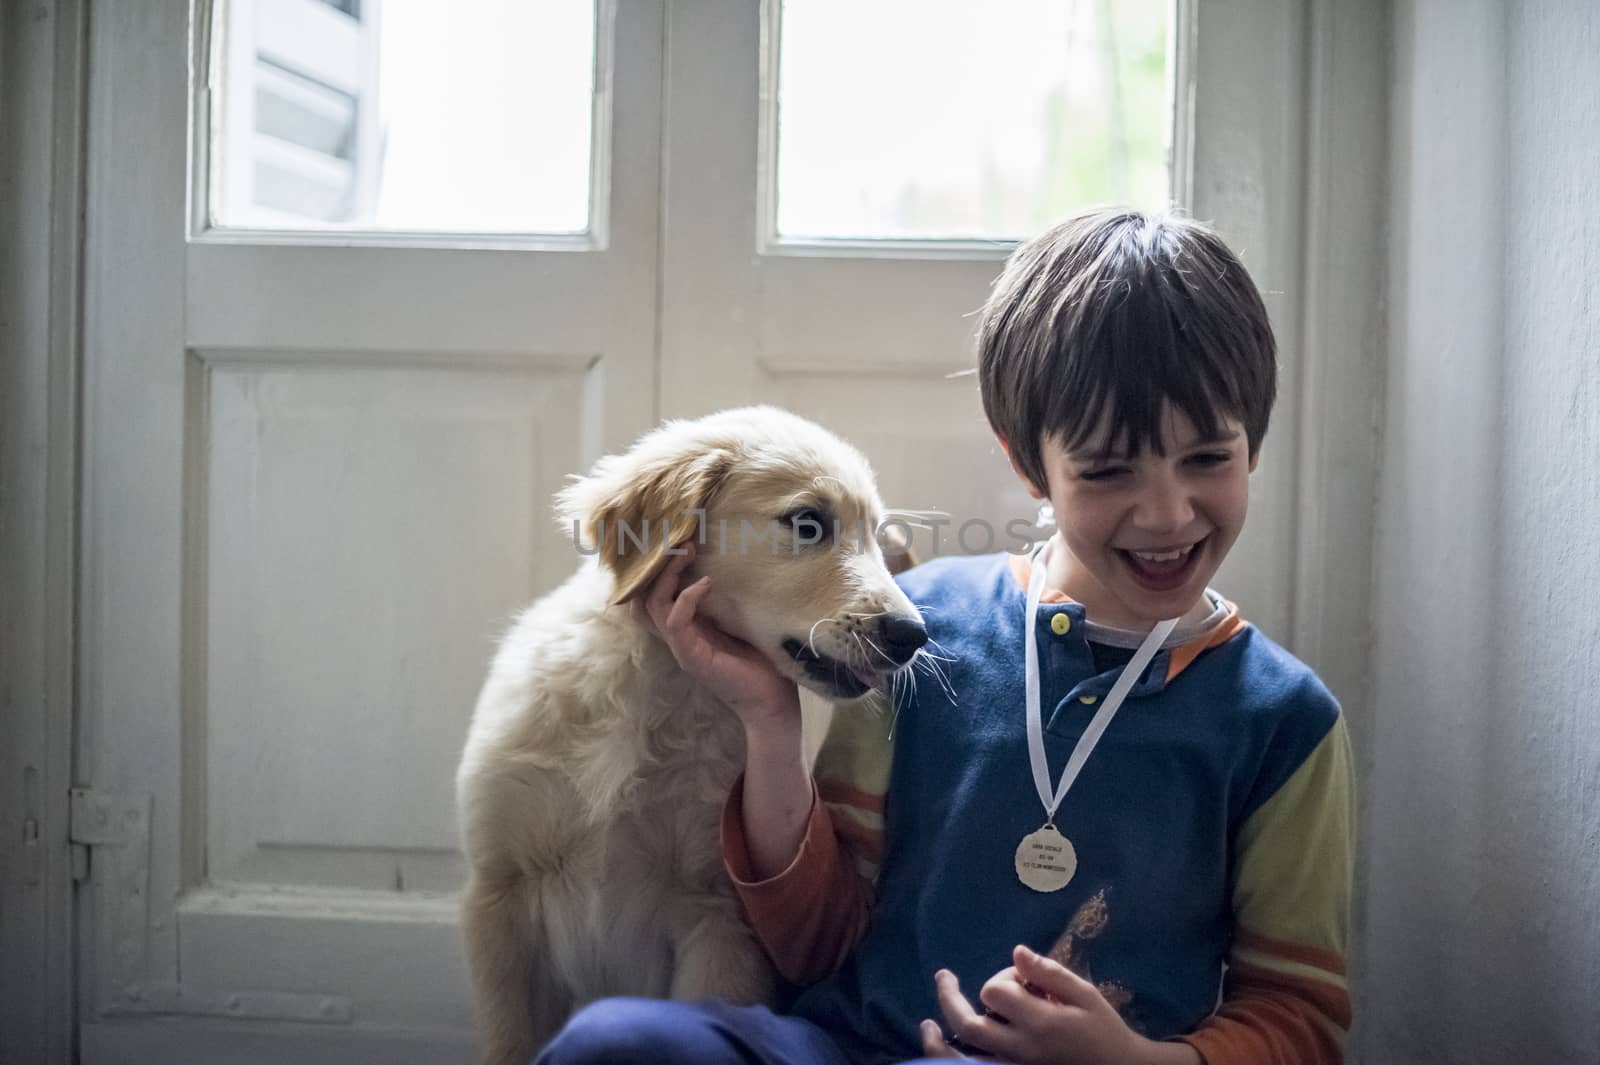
pixel 903 636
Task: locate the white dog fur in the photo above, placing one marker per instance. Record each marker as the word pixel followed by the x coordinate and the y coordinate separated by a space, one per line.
pixel 595 769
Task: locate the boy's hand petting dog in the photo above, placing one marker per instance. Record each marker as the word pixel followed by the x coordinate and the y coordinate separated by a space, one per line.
pixel 736 673
pixel 1041 1013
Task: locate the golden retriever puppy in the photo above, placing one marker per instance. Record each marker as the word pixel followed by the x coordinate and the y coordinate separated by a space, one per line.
pixel 595 769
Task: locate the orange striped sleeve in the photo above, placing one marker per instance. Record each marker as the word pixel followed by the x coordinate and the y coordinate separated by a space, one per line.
pixel 811 916
pixel 1285 998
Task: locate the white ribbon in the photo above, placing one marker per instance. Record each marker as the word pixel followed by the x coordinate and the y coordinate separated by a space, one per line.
pixel 1108 708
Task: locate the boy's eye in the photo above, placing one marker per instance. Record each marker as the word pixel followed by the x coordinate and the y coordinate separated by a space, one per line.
pixel 1102 473
pixel 1211 458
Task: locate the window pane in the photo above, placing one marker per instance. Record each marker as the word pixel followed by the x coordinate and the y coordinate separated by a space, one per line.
pixel 949 119
pixel 468 116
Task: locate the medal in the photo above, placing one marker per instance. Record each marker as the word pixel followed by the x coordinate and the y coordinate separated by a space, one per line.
pixel 1045 859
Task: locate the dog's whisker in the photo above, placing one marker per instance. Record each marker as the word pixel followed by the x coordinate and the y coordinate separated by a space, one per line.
pixel 875 647
pixel 937 672
pixel 933 672
pixel 898 703
pixel 812 635
pixel 894 699
pixel 856 636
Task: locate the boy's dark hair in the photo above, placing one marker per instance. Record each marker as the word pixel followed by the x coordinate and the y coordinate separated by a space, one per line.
pixel 1113 312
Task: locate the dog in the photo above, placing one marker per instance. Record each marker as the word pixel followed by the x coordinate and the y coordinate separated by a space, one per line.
pixel 595 769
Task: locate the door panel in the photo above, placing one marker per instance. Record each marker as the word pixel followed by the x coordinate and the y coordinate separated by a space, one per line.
pixel 363 515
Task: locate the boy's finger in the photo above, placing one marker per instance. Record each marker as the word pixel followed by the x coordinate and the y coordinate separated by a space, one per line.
pixel 664 587
pixel 1024 1007
pixel 679 556
pixel 933 1044
pixel 1004 991
pixel 1052 977
pixel 688 601
pixel 976 1034
pixel 662 591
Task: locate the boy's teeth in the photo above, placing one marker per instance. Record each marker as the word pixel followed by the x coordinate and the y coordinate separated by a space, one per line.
pixel 1161 556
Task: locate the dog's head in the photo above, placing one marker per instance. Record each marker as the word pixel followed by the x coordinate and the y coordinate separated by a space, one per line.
pixel 786 520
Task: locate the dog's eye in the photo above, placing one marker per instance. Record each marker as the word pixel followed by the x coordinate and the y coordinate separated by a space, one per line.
pixel 811 525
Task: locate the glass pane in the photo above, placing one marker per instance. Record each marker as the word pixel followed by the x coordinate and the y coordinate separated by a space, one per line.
pixel 467 116
pixel 948 119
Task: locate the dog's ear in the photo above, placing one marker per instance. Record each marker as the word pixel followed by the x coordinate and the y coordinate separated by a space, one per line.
pixel 895 541
pixel 633 507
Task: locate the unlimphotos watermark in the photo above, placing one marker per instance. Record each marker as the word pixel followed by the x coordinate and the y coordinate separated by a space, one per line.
pixel 975 536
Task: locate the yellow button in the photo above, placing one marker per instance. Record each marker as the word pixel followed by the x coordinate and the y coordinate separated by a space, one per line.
pixel 1060 624
pixel 1087 700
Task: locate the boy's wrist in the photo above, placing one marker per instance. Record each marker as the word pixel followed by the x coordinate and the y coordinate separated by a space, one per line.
pixel 774 753
pixel 1168 1052
pixel 774 728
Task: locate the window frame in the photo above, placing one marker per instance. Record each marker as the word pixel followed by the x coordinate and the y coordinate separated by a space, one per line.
pixel 1180 161
pixel 209 20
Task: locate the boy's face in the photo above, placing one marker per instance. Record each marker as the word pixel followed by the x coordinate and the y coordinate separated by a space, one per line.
pixel 1145 533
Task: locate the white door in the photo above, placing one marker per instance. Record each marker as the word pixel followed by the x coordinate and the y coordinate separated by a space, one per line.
pixel 317 461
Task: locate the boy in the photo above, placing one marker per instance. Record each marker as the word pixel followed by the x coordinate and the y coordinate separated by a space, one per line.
pixel 1203 816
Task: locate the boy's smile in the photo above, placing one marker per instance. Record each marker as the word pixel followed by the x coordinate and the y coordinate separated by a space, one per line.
pixel 1145 533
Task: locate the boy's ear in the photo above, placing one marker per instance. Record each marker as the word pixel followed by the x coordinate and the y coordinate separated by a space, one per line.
pixel 1255 457
pixel 1033 489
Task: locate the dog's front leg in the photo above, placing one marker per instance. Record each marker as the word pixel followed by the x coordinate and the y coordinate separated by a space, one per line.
pixel 716 956
pixel 518 1011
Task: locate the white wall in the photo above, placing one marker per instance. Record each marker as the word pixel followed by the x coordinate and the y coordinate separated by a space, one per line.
pixel 1482 804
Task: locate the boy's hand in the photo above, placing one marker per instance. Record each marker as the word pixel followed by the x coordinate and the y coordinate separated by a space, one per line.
pixel 734 671
pixel 1041 1013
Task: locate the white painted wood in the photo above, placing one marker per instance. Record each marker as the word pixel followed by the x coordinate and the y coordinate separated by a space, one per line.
pixel 41 172
pixel 222 1042
pixel 370 522
pixel 1249 177
pixel 395 957
pixel 316 486
pixel 413 300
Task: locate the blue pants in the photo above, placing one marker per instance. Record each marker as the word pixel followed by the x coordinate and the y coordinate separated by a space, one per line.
pixel 639 1031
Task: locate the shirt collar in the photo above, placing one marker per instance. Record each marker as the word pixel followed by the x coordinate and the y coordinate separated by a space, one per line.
pixel 1222 624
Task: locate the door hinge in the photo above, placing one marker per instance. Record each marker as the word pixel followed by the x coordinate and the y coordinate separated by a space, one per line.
pixel 100 819
pixel 114 830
